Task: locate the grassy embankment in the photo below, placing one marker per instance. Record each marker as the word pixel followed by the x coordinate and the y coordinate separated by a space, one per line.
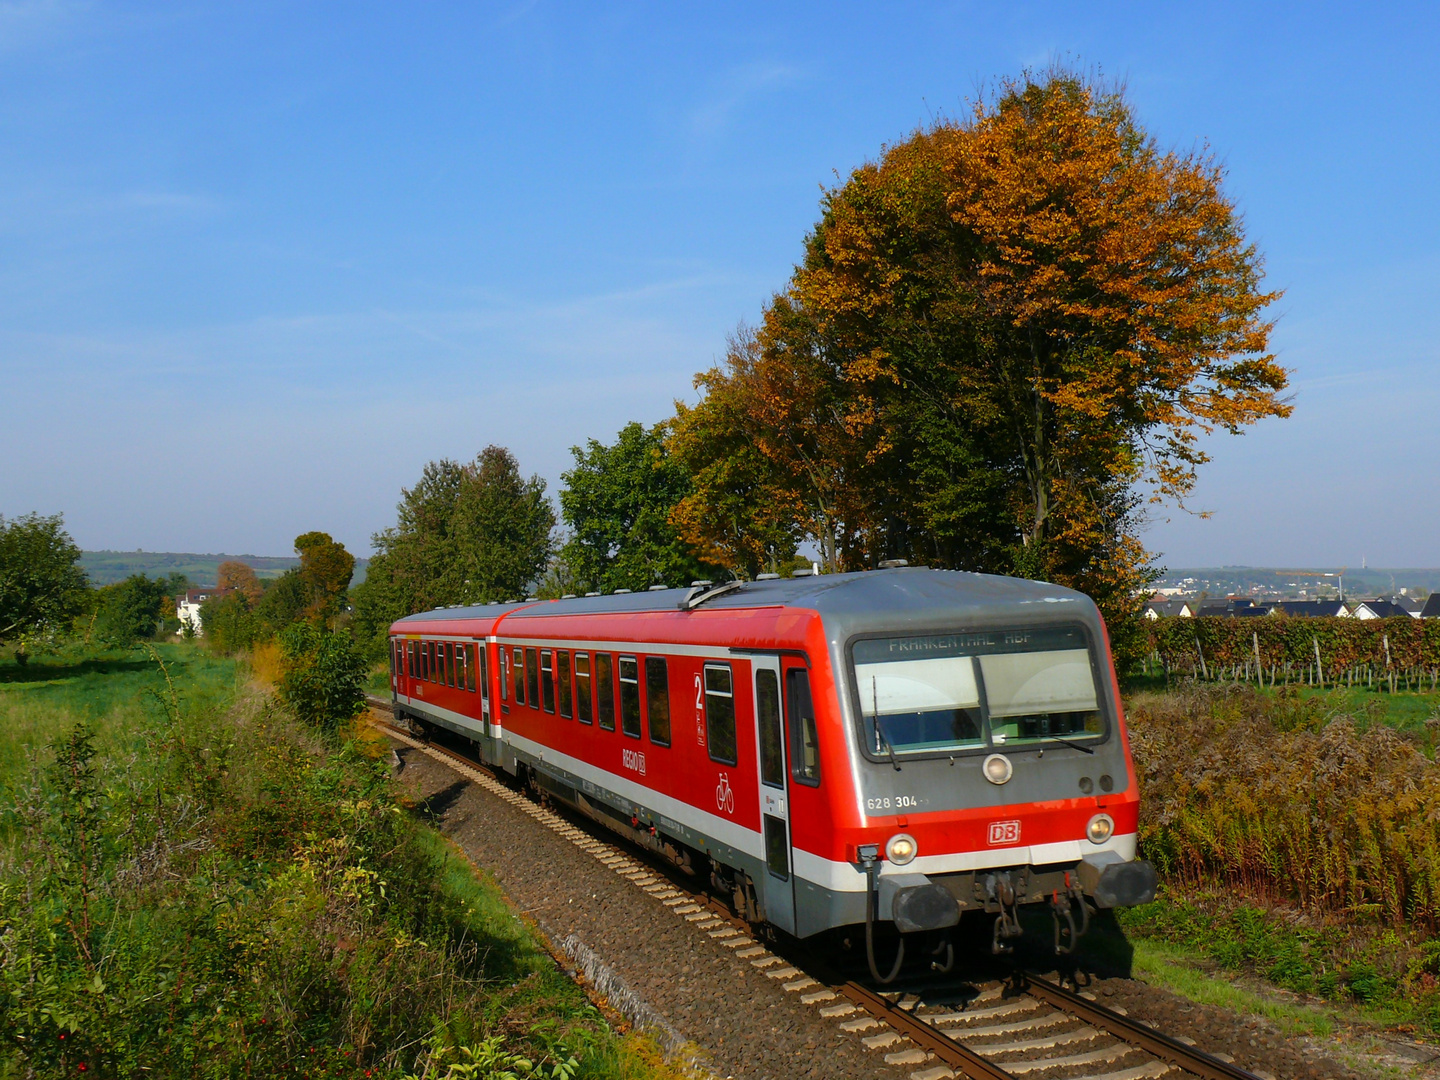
pixel 1298 838
pixel 191 884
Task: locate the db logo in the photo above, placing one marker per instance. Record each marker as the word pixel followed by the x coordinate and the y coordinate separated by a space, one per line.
pixel 1004 832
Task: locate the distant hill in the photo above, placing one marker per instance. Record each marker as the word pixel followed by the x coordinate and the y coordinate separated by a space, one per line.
pixel 1265 580
pixel 108 567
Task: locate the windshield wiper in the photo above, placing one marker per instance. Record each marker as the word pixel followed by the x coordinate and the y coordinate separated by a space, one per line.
pixel 880 729
pixel 1066 742
pixel 879 726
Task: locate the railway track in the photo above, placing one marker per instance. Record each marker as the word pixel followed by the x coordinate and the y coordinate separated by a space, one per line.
pixel 1025 1026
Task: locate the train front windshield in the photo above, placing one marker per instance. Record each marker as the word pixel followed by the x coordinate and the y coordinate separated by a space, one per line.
pixel 948 693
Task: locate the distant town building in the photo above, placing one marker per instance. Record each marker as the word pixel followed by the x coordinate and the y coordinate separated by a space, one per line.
pixel 1378 609
pixel 1232 607
pixel 1155 609
pixel 187 607
pixel 1310 609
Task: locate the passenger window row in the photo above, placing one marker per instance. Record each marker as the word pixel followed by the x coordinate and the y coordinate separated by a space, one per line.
pixel 460 664
pixel 582 686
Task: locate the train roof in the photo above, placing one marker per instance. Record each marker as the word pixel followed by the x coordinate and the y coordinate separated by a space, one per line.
pixel 848 602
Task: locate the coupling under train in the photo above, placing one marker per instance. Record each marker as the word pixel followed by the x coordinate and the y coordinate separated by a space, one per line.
pixel 892 749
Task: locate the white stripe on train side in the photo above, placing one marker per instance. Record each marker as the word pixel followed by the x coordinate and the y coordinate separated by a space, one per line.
pixel 829 873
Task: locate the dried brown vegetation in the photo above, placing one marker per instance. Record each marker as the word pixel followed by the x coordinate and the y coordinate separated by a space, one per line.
pixel 1276 798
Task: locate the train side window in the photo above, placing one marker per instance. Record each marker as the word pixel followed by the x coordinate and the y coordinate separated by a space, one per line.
pixel 584 700
pixel 720 713
pixel 517 670
pixel 482 669
pixel 767 711
pixel 657 700
pixel 504 672
pixel 414 672
pixel 425 661
pixel 604 692
pixel 547 680
pixel 450 673
pixel 630 696
pixel 562 681
pixel 532 678
pixel 804 733
pixel 471 652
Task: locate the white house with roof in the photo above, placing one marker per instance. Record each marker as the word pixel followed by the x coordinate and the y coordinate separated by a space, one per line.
pixel 187 608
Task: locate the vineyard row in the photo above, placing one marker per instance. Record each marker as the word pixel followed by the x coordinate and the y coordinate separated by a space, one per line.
pixel 1391 654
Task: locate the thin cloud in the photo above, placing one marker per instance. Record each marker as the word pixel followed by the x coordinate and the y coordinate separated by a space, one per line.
pixel 741 86
pixel 25 23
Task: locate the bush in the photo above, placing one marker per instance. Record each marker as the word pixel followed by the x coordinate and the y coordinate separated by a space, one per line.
pixel 323 677
pixel 1270 795
pixel 229 624
pixel 132 610
pixel 232 899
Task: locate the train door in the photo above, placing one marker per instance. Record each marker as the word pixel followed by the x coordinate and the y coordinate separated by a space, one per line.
pixel 778 891
pixel 482 651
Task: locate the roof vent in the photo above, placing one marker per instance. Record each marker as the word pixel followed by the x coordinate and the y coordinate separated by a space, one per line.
pixel 702 582
pixel 804 571
pixel 592 594
pixel 657 588
pixel 568 596
pixel 619 592
pixel 532 598
pixel 767 577
pixel 893 564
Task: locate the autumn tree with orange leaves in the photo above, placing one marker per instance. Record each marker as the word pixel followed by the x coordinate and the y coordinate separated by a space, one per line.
pixel 1020 324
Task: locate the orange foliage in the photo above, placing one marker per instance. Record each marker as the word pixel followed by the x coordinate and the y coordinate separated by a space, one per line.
pixel 266 663
pixel 1005 335
pixel 239 577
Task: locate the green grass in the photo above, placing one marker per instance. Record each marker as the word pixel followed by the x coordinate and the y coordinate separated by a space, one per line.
pixel 116 690
pixel 1179 970
pixel 1404 710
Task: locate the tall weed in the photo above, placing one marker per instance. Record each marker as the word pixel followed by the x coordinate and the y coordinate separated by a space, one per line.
pixel 1272 795
pixel 234 896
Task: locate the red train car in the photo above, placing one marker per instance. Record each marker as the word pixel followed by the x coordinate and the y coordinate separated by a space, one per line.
pixel 900 746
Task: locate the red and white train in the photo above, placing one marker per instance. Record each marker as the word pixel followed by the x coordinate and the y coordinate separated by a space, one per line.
pixel 898 746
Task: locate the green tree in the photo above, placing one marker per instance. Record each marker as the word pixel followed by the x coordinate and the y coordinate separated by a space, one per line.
pixel 41 584
pixel 230 622
pixel 324 675
pixel 283 602
pixel 132 610
pixel 465 533
pixel 618 501
pixel 325 571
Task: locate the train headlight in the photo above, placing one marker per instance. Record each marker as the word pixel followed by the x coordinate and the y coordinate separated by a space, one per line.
pixel 997 768
pixel 901 849
pixel 1100 828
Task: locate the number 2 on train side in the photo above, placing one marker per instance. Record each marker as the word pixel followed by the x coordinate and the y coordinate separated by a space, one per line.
pixel 699 711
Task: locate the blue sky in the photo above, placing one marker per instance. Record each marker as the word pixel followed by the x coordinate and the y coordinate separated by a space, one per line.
pixel 263 261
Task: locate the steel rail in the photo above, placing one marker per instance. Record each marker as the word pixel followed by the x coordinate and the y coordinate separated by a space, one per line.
pixel 1133 1032
pixel 952 1053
